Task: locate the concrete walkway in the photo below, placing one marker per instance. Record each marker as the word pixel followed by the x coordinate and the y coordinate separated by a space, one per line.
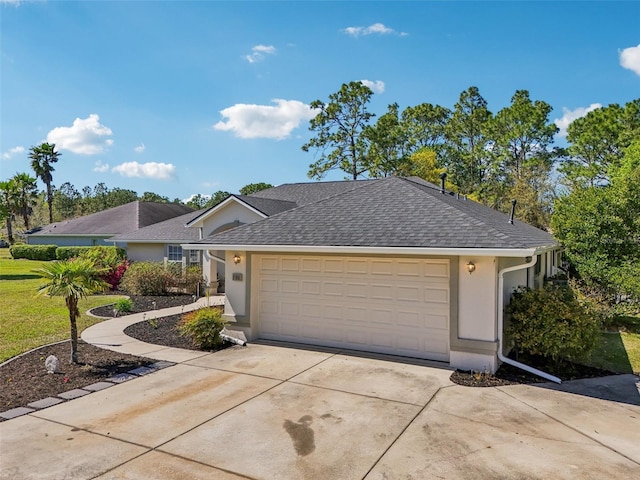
pixel 269 411
pixel 110 333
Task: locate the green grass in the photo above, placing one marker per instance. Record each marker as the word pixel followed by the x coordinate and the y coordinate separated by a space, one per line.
pixel 28 321
pixel 619 348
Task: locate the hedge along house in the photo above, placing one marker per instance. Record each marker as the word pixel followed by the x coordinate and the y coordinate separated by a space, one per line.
pixel 395 266
pixel 99 228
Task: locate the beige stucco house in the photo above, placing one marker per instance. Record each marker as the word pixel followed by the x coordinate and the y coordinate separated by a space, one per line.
pixel 394 265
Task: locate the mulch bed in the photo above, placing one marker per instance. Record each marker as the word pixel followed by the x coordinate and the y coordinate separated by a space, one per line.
pixel 24 379
pixel 510 375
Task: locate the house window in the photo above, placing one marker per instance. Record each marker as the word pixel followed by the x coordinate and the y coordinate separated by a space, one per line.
pixel 194 257
pixel 174 253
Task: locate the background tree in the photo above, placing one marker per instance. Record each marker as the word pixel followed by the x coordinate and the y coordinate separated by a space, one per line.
pixel 216 198
pixel 425 126
pixel 467 156
pixel 25 192
pixel 120 196
pixel 42 158
pixel 597 141
pixel 339 132
pixel 7 206
pixel 197 201
pixel 66 201
pixel 254 187
pixel 388 151
pixel 599 227
pixel 153 197
pixel 71 280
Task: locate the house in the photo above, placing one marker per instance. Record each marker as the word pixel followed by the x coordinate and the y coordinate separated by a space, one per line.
pixel 98 228
pixel 393 265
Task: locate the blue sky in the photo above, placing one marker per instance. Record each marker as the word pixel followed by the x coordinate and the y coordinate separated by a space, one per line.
pixel 187 97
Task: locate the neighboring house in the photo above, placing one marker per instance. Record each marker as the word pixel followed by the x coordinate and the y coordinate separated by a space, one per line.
pixel 392 265
pixel 99 228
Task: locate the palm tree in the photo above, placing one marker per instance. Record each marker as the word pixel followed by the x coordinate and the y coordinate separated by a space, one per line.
pixel 42 157
pixel 24 195
pixel 7 206
pixel 72 280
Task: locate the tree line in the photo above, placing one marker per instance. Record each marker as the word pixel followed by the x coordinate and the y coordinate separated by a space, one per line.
pixel 22 204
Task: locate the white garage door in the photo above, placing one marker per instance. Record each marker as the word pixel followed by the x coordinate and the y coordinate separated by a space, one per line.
pixel 385 305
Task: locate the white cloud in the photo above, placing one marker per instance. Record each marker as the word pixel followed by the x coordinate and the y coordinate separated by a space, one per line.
pixel 158 171
pixel 12 152
pixel 101 167
pixel 11 2
pixel 571 115
pixel 259 52
pixel 264 121
pixel 375 29
pixel 376 86
pixel 140 148
pixel 86 136
pixel 630 59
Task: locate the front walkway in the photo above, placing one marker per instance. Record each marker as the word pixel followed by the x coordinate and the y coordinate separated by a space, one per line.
pixel 110 333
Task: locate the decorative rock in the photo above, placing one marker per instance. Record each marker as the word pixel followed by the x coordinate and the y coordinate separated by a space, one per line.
pixel 51 364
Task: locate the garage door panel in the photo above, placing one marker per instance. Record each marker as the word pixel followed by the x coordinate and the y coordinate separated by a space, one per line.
pixel 395 306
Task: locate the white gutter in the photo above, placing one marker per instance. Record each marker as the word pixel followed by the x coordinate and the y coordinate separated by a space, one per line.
pixel 210 256
pixel 504 359
pixel 490 252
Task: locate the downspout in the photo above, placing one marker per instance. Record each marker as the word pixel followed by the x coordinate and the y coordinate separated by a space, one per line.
pixel 501 356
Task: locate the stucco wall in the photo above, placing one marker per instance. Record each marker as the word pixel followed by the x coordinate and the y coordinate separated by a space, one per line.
pixel 236 290
pixel 477 299
pixel 64 241
pixel 227 215
pixel 146 252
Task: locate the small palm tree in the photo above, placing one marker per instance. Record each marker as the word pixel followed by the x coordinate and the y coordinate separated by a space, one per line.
pixel 72 280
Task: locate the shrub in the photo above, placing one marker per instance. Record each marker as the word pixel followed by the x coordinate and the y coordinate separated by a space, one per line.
pixel 123 305
pixel 34 252
pixel 146 278
pixel 67 253
pixel 113 260
pixel 551 322
pixel 203 326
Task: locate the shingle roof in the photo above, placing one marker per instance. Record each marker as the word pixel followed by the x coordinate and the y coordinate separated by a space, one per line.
pixel 268 206
pixel 121 219
pixel 310 192
pixel 389 212
pixel 172 230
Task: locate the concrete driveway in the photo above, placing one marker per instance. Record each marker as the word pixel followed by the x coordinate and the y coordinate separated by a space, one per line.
pixel 271 412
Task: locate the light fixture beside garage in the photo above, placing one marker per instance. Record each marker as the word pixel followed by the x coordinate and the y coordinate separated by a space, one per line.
pixel 471 267
pixel 236 259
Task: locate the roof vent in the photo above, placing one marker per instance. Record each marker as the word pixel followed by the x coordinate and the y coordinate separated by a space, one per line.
pixel 513 211
pixel 443 176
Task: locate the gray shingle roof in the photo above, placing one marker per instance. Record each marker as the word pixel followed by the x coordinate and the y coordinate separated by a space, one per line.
pixel 268 206
pixel 121 219
pixel 172 230
pixel 390 212
pixel 310 192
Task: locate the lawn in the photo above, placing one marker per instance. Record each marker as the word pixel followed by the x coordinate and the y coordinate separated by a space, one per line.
pixel 619 348
pixel 29 321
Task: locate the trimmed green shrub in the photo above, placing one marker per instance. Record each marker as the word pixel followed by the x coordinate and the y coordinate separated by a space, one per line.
pixel 203 326
pixel 551 322
pixel 123 305
pixel 146 278
pixel 34 252
pixel 67 253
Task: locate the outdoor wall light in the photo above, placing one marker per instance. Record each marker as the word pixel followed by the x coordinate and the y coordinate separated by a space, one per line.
pixel 471 267
pixel 236 259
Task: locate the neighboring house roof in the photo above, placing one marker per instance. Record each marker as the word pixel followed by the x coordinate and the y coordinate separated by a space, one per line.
pixel 389 212
pixel 169 231
pixel 121 219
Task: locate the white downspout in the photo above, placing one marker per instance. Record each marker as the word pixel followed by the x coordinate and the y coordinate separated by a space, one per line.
pixel 504 359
